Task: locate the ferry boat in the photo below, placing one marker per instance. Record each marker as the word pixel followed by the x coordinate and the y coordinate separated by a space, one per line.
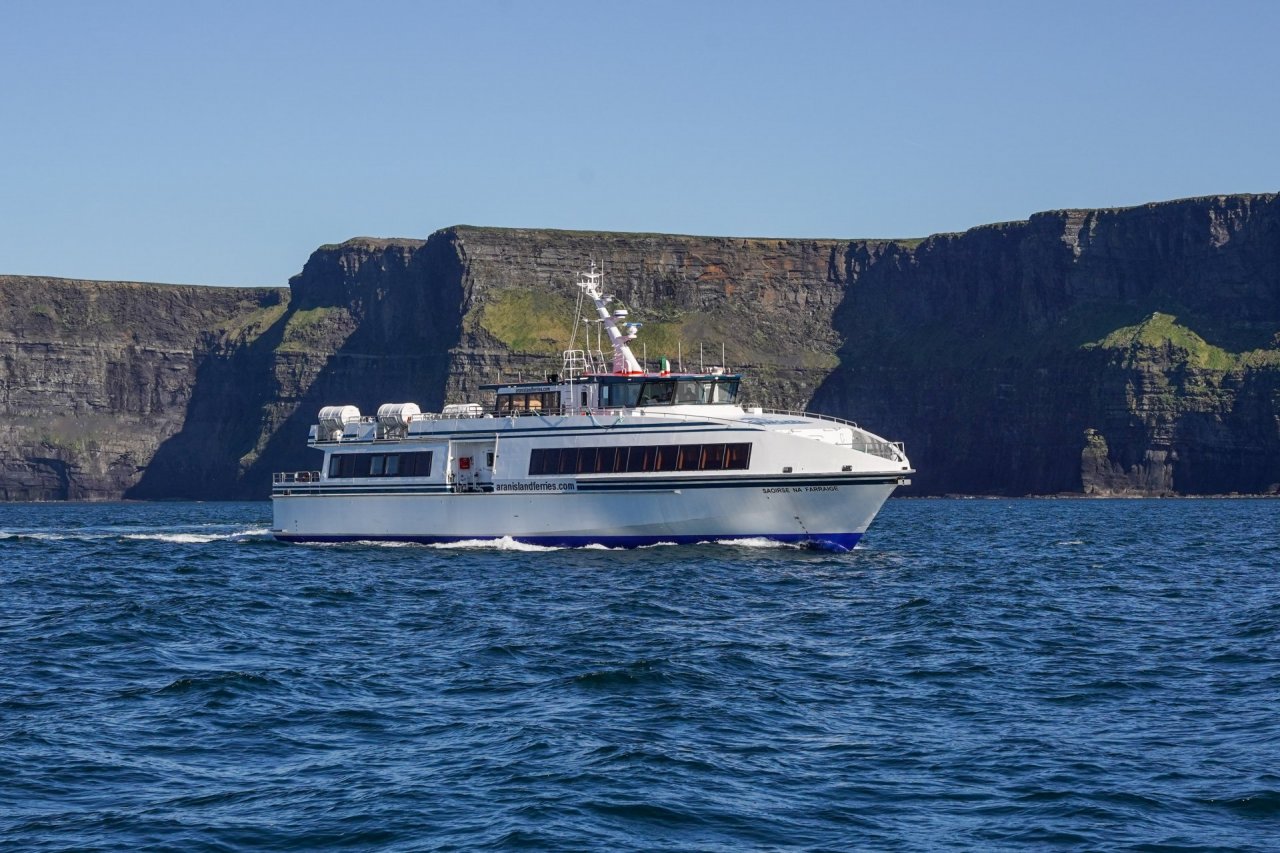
pixel 600 454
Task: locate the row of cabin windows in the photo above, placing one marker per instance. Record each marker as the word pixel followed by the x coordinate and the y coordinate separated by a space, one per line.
pixel 545 402
pixel 629 460
pixel 380 464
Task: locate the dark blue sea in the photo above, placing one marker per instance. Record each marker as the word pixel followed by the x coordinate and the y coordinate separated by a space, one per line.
pixel 979 674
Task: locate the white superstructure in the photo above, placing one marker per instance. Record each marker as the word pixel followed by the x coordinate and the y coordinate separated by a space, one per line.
pixel 618 457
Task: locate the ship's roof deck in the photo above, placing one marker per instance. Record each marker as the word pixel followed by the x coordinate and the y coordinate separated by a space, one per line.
pixel 609 378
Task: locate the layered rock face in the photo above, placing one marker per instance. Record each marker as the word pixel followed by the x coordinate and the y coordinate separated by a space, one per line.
pixel 95 377
pixel 1129 351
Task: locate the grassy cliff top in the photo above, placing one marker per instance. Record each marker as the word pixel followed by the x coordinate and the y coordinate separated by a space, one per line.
pixel 552 233
pixel 374 244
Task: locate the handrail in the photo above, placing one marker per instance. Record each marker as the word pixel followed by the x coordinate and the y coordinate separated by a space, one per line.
pixel 283 478
pixel 804 414
pixel 894 451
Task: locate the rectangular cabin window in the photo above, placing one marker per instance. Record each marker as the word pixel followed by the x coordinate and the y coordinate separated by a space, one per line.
pixel 380 464
pixel 738 456
pixel 640 459
pixel 416 464
pixel 586 460
pixel 712 457
pixel 690 456
pixel 545 402
pixel 568 460
pixel 667 454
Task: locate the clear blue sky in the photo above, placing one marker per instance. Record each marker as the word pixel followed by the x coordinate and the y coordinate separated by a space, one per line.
pixel 221 142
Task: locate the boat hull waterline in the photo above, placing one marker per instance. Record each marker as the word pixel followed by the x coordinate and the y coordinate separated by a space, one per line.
pixel 827 516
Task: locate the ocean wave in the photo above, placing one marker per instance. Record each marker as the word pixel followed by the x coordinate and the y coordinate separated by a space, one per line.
pixel 201 538
pixel 504 543
pixel 756 542
pixel 177 535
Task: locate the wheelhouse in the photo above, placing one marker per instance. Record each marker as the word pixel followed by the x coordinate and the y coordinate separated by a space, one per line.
pixel 614 392
pixel 630 392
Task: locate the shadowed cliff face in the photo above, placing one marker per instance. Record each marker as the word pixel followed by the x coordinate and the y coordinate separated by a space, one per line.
pixel 95 376
pixel 371 321
pixel 1104 352
pixel 1129 351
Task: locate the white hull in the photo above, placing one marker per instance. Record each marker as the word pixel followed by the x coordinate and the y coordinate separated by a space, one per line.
pixel 828 513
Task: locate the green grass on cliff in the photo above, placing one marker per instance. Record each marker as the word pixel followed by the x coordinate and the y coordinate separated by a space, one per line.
pixel 247 327
pixel 537 323
pixel 315 328
pixel 1160 331
pixel 1261 358
pixel 540 324
pixel 1124 332
pixel 529 322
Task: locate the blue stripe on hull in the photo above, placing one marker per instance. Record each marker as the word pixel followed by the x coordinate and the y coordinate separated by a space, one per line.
pixel 822 541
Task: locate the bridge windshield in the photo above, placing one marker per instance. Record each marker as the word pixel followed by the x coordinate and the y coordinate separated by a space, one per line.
pixel 668 392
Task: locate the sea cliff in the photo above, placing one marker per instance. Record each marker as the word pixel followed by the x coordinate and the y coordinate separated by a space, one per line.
pixel 1123 351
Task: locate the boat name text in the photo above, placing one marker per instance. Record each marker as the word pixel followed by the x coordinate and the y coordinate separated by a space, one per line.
pixel 782 490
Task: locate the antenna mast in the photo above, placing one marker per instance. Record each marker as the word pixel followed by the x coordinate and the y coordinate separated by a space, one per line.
pixel 623 359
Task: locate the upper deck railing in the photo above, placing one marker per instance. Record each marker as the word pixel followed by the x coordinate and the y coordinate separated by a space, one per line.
pixel 289 478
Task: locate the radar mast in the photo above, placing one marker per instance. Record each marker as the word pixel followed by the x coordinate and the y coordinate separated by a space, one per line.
pixel 624 361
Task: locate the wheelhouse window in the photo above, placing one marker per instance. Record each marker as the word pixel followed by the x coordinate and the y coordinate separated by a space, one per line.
pixel 724 391
pixel 619 395
pixel 668 392
pixel 641 459
pixel 692 391
pixel 657 393
pixel 380 464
